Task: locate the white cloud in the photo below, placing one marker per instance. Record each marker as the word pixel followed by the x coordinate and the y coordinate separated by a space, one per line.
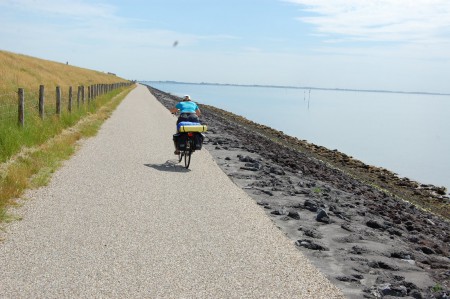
pixel 82 23
pixel 71 8
pixel 418 21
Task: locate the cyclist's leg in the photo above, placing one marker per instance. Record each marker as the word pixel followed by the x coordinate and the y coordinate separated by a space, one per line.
pixel 180 119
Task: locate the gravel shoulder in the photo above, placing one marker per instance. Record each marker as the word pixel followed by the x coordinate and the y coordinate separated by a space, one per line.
pixel 122 219
pixel 348 218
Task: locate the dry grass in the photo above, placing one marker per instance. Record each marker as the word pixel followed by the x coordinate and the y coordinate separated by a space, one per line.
pixel 20 71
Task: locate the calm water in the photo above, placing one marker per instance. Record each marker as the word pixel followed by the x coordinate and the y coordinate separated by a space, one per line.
pixel 405 133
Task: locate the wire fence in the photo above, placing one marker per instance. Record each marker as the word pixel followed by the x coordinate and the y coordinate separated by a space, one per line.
pixel 8 106
pixel 48 102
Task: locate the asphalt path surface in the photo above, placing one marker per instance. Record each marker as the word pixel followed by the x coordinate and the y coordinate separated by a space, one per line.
pixel 122 219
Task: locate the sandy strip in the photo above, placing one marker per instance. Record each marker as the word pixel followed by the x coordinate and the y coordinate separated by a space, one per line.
pixel 122 220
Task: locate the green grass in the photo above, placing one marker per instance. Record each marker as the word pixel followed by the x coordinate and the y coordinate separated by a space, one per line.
pixel 43 145
pixel 437 288
pixel 317 190
pixel 37 131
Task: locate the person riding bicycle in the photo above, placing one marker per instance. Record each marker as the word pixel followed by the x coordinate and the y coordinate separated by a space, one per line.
pixel 189 111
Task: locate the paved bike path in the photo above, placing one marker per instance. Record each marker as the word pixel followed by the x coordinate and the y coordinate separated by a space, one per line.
pixel 122 220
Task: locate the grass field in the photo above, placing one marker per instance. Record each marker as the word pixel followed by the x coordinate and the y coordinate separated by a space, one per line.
pixel 29 154
pixel 28 72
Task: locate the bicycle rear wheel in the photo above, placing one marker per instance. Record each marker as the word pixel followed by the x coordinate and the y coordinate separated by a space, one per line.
pixel 187 157
pixel 188 152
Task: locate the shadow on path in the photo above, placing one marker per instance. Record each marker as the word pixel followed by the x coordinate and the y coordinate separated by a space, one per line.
pixel 170 165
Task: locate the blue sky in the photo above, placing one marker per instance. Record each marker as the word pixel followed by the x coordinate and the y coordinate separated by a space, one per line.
pixel 374 44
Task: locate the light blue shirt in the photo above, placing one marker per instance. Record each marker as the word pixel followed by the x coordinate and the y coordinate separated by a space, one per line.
pixel 187 107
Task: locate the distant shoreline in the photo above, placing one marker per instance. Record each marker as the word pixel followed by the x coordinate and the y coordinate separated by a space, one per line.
pixel 305 87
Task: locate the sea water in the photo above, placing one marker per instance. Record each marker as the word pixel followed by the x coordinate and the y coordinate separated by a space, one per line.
pixel 408 134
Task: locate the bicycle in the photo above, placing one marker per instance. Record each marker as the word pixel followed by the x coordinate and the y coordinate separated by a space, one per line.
pixel 188 139
pixel 189 148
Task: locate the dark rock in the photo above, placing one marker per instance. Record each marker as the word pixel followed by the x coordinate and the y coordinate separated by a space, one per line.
pixel 249 168
pixel 246 159
pixel 402 255
pixel 416 294
pixel 312 233
pixel 322 216
pixel 294 215
pixel 277 170
pixel 267 192
pixel 311 205
pixel 278 212
pixel 382 265
pixel 395 232
pixel 256 165
pixel 426 250
pixel 374 224
pixel 358 250
pixel 413 239
pixel 441 190
pixel 393 290
pixel 311 245
pixel 347 278
pixel 387 277
pixel 305 170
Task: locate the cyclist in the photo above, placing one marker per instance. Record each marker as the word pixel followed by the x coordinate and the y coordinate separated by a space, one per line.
pixel 189 111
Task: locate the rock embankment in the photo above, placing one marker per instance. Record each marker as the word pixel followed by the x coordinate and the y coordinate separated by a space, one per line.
pixel 360 225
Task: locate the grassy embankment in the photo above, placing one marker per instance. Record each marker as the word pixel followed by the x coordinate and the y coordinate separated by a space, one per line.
pixel 29 155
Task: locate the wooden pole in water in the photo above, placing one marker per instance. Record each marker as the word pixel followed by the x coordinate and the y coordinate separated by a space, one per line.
pixel 309 98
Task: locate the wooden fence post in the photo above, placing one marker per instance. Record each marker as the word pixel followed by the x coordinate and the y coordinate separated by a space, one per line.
pixel 41 101
pixel 78 96
pixel 21 94
pixel 83 94
pixel 70 99
pixel 58 100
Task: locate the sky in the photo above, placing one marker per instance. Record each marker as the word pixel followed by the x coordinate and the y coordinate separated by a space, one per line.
pixel 400 45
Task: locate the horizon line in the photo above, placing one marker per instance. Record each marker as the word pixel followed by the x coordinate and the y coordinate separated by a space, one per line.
pixel 299 87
